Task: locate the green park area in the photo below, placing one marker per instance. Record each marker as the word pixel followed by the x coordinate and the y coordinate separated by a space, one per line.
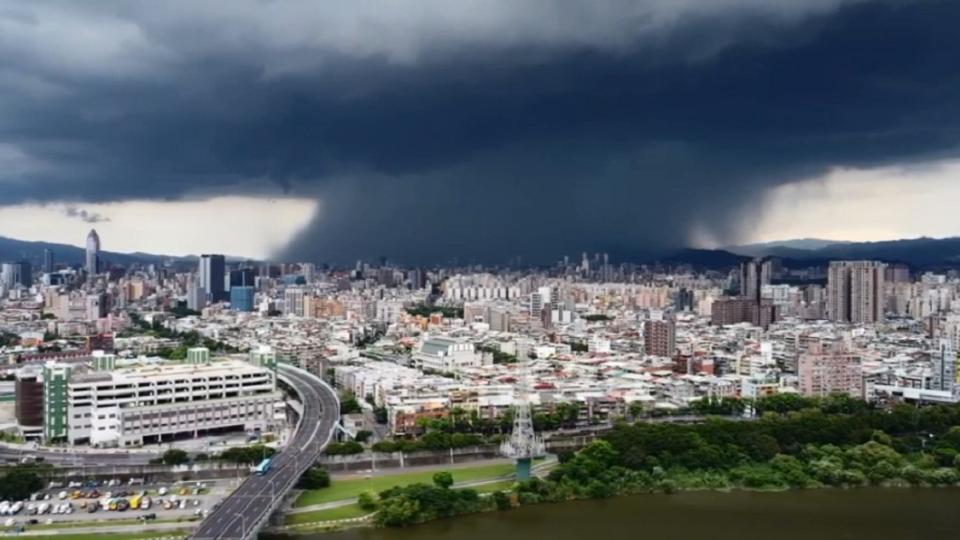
pixel 331 514
pixel 341 489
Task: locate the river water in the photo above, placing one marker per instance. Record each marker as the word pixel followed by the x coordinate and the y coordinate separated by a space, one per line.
pixel 875 514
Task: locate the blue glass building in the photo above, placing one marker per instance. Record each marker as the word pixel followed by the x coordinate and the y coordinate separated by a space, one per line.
pixel 241 298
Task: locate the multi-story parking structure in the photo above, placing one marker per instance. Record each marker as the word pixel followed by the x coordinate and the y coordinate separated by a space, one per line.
pixel 141 405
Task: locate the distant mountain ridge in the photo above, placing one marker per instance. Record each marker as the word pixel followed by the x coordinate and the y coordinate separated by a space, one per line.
pixel 801 244
pixel 923 252
pixel 14 250
pixel 919 253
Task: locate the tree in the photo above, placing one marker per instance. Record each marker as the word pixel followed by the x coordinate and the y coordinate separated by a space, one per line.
pixel 363 436
pixel 175 456
pixel 443 479
pixel 315 478
pixel 349 404
pixel 19 483
pixel 398 511
pixel 248 454
pixel 344 448
pixel 367 501
pixel 502 500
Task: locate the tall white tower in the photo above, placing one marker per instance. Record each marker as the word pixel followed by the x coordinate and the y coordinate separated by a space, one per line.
pixel 524 444
pixel 93 253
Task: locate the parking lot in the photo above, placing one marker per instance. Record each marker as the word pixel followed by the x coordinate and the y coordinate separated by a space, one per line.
pixel 100 504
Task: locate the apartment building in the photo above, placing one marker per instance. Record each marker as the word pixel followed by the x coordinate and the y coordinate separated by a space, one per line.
pixel 825 372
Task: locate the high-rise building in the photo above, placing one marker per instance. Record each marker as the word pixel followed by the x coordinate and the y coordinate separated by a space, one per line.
pixel 944 366
pixel 96 306
pixel 24 274
pixel 56 377
pixel 242 298
pixel 684 300
pixel 212 274
pixel 48 261
pixel 536 304
pixel 754 275
pixel 28 407
pixel 93 253
pixel 242 277
pixel 196 297
pixel 308 270
pixel 855 291
pixel 897 273
pixel 14 274
pixel 8 275
pixel 416 279
pixel 660 337
pixel 293 301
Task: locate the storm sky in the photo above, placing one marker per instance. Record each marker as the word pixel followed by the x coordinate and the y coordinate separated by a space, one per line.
pixel 477 130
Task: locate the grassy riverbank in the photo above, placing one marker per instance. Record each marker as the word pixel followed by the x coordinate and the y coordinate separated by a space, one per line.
pixel 797 443
pixel 351 488
pixel 331 514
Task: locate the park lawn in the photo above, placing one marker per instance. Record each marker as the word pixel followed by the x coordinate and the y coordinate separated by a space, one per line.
pixel 347 489
pixel 341 512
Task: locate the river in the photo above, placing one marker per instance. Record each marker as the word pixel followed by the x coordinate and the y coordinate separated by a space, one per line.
pixel 872 513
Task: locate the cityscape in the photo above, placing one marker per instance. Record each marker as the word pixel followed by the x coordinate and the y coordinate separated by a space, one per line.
pixel 459 270
pixel 127 366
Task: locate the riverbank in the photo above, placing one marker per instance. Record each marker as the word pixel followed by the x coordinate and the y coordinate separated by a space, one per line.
pixel 863 514
pixel 336 507
pixel 798 444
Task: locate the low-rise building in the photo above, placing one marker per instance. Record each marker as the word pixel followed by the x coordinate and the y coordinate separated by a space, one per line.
pixel 134 406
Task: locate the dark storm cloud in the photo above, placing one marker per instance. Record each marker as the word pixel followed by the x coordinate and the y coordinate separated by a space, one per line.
pixel 84 215
pixel 474 131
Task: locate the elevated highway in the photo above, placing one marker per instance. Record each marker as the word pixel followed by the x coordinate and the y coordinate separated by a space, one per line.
pixel 241 515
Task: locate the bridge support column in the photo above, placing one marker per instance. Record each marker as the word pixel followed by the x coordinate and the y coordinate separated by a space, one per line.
pixel 524 466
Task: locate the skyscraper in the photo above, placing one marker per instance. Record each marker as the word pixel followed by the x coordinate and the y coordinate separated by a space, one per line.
pixel 753 276
pixel 48 261
pixel 24 274
pixel 93 253
pixel 855 291
pixel 14 274
pixel 8 275
pixel 242 277
pixel 212 273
